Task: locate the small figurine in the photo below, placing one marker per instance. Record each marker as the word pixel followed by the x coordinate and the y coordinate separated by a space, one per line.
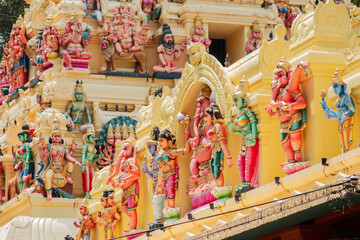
pixel 74 44
pixel 86 223
pixel 110 216
pixel 254 39
pixel 345 109
pixel 56 172
pixel 283 9
pixel 168 52
pixel 152 172
pixel 288 104
pixel 152 10
pixel 127 167
pixel 77 108
pixel 93 9
pixel 24 156
pixel 245 124
pixel 88 159
pixel 199 34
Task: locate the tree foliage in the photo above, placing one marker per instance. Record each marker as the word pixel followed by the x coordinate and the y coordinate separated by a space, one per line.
pixel 9 12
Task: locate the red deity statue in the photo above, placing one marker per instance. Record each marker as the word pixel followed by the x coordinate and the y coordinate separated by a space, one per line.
pixel 199 34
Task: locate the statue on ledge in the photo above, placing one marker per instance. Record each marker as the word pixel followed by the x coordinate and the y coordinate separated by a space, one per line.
pixel 86 223
pixel 254 39
pixel 199 35
pixel 345 109
pixel 93 9
pixel 168 52
pixel 152 10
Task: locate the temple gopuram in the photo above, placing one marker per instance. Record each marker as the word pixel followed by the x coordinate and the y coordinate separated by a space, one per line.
pixel 181 119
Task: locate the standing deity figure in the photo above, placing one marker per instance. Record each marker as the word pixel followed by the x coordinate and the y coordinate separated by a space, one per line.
pixel 93 9
pixel 254 39
pixel 24 157
pixel 125 176
pixel 152 10
pixel 245 124
pixel 345 109
pixel 152 172
pixel 74 43
pixel 288 105
pixel 199 34
pixel 86 223
pixel 110 216
pixel 77 108
pixel 217 136
pixel 88 160
pixel 168 52
pixel 56 172
pixel 107 149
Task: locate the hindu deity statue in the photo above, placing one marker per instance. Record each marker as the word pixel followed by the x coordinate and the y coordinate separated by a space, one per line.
pixel 107 149
pixel 125 176
pixel 24 157
pixel 88 160
pixel 245 124
pixel 152 9
pixel 153 172
pixel 254 39
pixel 86 223
pixel 74 44
pixel 199 34
pixel 345 109
pixel 50 43
pixel 4 77
pixel 77 108
pixel 283 9
pixel 288 105
pixel 56 172
pixel 109 217
pixel 217 136
pixel 168 52
pixel 118 132
pixel 93 9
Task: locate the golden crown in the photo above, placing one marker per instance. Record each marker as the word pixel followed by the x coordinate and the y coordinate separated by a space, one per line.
pixel 338 78
pixel 110 132
pixel 117 131
pixel 56 126
pixel 282 65
pixel 198 22
pixel 84 202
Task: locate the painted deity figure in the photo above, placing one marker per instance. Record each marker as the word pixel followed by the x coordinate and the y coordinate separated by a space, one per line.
pixel 24 157
pixel 127 167
pixel 4 77
pixel 107 149
pixel 153 173
pixel 86 223
pixel 77 108
pixel 345 109
pixel 283 9
pixel 245 124
pixel 217 136
pixel 88 160
pixel 109 217
pixel 49 45
pixel 168 52
pixel 288 105
pixel 199 34
pixel 56 172
pixel 93 9
pixel 254 39
pixel 74 42
pixel 152 9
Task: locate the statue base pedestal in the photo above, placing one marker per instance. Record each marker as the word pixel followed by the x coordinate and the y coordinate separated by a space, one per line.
pixel 155 225
pixel 128 74
pixel 164 75
pixel 290 168
pixel 171 214
pixel 134 233
pixel 79 64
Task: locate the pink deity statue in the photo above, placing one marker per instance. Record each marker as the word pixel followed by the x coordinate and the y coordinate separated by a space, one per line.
pixel 152 10
pixel 110 215
pixel 93 9
pixel 168 52
pixel 254 39
pixel 199 34
pixel 288 105
pixel 125 176
pixel 57 173
pixel 86 223
pixel 74 44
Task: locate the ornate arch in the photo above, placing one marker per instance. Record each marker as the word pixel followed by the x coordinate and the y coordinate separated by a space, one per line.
pixel 204 68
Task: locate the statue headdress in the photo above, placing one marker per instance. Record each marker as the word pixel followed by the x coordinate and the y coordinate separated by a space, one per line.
pixel 154 135
pixel 125 131
pixel 84 202
pixel 254 27
pixel 48 22
pixel 282 65
pixel 242 90
pixel 117 131
pixel 89 131
pixel 56 126
pixel 19 22
pixel 79 89
pixel 205 92
pixel 338 78
pixel 165 30
pixel 110 131
pixel 73 17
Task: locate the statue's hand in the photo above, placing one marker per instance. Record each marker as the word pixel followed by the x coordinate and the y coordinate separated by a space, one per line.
pixel 167 69
pixel 144 167
pixel 82 168
pixel 342 118
pixel 324 105
pixel 26 166
pixel 73 146
pixel 269 110
pixel 231 126
pixel 250 143
pixel 78 164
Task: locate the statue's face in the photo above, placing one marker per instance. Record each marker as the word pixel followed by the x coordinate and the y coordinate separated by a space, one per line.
pixel 47 30
pixel 256 34
pixel 198 31
pixel 56 138
pixel 208 119
pixel 111 141
pixel 164 144
pixel 75 28
pixel 111 201
pixel 338 88
pixel 16 30
pixel 91 138
pixel 79 96
pixel 281 76
pixel 239 102
pixel 103 202
pixel 338 2
pixel 82 210
pixel 22 138
pixel 168 38
pixel 152 148
pixel 147 8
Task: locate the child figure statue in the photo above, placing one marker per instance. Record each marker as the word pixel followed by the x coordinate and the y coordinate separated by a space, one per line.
pixel 86 223
pixel 345 109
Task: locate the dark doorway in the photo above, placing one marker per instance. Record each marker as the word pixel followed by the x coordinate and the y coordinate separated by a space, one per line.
pixel 218 49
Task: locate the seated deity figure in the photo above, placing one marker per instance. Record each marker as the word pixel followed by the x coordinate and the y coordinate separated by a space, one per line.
pixel 168 52
pixel 199 34
pixel 93 9
pixel 345 109
pixel 254 39
pixel 77 108
pixel 56 172
pixel 288 105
